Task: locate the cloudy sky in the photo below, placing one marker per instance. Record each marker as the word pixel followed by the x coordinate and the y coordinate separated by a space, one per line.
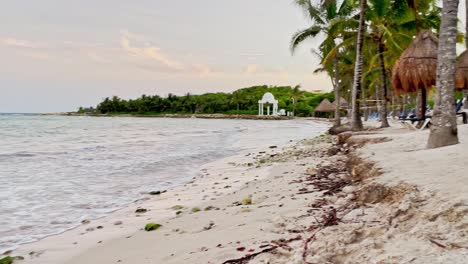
pixel 57 55
pixel 60 54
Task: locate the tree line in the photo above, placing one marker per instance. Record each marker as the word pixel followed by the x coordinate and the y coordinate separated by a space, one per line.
pixel 363 40
pixel 242 101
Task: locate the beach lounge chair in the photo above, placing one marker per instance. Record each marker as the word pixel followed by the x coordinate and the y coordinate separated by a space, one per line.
pixel 413 122
pixel 460 111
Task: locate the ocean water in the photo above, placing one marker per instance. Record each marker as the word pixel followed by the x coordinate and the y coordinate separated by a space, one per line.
pixel 56 171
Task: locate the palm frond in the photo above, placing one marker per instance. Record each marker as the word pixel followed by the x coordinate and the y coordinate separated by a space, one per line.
pixel 310 11
pixel 302 35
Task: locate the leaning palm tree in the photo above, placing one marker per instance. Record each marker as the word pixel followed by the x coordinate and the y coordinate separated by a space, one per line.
pixel 444 130
pixel 356 122
pixel 328 19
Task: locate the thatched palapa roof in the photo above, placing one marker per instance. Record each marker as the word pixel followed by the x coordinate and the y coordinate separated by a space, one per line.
pixel 462 71
pixel 343 103
pixel 416 69
pixel 325 106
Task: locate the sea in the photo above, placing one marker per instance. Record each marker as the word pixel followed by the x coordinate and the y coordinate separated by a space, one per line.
pixel 56 171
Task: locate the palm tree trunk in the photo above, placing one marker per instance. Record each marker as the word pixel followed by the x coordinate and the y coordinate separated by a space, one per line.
pixel 405 105
pixel 383 86
pixel 396 100
pixel 364 104
pixel 356 122
pixel 444 130
pixel 465 92
pixel 336 89
pixel 378 99
pixel 418 103
pixel 423 103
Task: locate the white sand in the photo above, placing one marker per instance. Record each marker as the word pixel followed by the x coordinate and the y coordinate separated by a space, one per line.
pixel 415 212
pixel 221 183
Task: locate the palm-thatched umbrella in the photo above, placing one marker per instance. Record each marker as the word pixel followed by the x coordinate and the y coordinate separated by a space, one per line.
pixel 416 69
pixel 343 103
pixel 325 106
pixel 462 72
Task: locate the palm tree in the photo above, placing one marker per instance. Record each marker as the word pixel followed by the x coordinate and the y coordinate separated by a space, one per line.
pixel 329 19
pixel 356 122
pixel 392 26
pixel 465 92
pixel 444 130
pixel 385 17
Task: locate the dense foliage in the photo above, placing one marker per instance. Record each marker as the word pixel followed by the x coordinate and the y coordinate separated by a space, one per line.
pixel 243 101
pixel 389 27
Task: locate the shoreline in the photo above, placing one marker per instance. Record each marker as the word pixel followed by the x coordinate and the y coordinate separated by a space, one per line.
pixel 37 249
pixel 201 116
pixel 352 198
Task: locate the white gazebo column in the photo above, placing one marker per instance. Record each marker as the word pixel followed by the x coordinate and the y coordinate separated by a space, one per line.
pixel 268 99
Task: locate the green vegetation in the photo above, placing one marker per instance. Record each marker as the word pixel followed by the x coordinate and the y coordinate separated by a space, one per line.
pixel 177 207
pixel 209 208
pixel 247 201
pixel 152 227
pixel 389 27
pixel 6 260
pixel 243 101
pixel 196 209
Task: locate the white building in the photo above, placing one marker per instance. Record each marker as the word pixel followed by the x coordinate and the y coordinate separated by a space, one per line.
pixel 268 99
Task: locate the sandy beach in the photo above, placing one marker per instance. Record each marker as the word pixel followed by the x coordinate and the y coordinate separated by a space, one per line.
pixel 373 197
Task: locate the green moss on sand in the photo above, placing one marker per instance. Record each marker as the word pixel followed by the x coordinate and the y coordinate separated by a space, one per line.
pixel 6 260
pixel 247 201
pixel 152 226
pixel 177 207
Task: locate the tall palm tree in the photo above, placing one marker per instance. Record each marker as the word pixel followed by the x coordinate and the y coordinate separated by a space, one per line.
pixel 382 14
pixel 392 25
pixel 356 122
pixel 328 19
pixel 465 92
pixel 444 130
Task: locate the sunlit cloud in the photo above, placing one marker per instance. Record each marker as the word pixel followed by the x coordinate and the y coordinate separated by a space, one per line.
pixel 252 69
pixel 283 74
pixel 37 55
pixel 96 57
pixel 148 51
pixel 251 54
pixel 20 43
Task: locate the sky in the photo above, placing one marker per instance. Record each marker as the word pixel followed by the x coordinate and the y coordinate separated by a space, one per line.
pixel 58 55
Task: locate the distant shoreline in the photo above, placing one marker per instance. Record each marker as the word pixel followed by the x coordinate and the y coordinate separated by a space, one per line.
pixel 204 116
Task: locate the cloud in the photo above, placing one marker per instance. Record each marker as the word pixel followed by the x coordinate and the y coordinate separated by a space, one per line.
pixel 26 48
pixel 252 69
pixel 96 57
pixel 37 55
pixel 283 74
pixel 149 52
pixel 202 70
pixel 20 43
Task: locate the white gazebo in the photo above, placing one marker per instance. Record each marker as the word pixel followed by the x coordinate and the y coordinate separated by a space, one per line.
pixel 268 98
